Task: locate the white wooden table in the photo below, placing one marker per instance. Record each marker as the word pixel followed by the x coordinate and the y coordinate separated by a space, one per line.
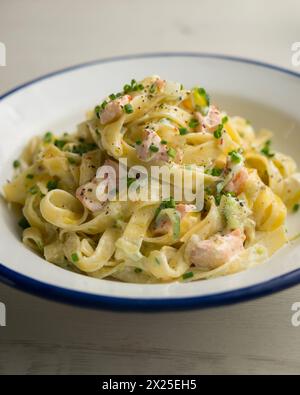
pixel 46 337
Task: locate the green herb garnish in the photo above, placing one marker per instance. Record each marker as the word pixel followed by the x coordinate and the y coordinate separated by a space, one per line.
pixel 72 161
pixel 33 190
pixel 183 131
pixel 166 204
pixel 296 207
pixel 83 148
pixel 52 184
pixel 202 92
pixel 216 172
pixel 193 123
pixel 60 143
pixel 30 176
pixel 23 223
pixel 74 257
pixel 97 111
pixel 187 275
pixel 130 180
pixel 224 119
pixel 235 157
pixel 266 149
pixel 132 87
pixel 48 137
pixel 218 132
pixel 16 164
pixel 153 148
pixel 171 152
pixel 128 108
pixel 152 88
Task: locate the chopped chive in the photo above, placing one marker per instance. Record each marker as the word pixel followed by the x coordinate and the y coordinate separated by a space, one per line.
pixel 183 131
pixel 74 257
pixel 48 137
pixel 97 111
pixel 224 119
pixel 152 88
pixel 132 87
pixel 170 203
pixel 218 199
pixel 171 152
pixel 204 94
pixel 52 184
pixel 296 207
pixel 230 194
pixel 72 161
pixel 216 172
pixel 83 148
pixel 16 164
pixel 164 142
pixel 266 149
pixel 23 223
pixel 126 88
pixel 218 132
pixel 187 275
pixel 235 156
pixel 59 143
pixel 153 148
pixel 128 108
pixel 112 96
pixel 193 123
pixel 138 270
pixel 130 180
pixel 138 142
pixel 33 190
pixel 103 104
pixel 208 191
pixel 30 176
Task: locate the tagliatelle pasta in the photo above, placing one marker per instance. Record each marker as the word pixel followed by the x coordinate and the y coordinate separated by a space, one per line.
pixel 86 209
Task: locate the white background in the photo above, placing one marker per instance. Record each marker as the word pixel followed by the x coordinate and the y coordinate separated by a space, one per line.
pixel 46 337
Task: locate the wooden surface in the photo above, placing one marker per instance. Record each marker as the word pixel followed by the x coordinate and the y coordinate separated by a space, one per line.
pixel 46 337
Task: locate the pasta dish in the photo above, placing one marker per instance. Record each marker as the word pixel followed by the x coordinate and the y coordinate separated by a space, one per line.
pixel 87 206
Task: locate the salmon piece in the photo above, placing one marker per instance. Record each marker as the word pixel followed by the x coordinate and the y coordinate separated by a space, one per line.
pixel 210 121
pixel 144 151
pixel 88 193
pixel 216 251
pixel 163 225
pixel 213 119
pixel 238 182
pixel 160 84
pixel 114 109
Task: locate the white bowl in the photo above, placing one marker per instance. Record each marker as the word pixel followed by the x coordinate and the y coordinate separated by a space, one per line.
pixel 267 95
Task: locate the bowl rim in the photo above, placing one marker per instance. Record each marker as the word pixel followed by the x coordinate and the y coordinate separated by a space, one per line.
pixel 85 299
